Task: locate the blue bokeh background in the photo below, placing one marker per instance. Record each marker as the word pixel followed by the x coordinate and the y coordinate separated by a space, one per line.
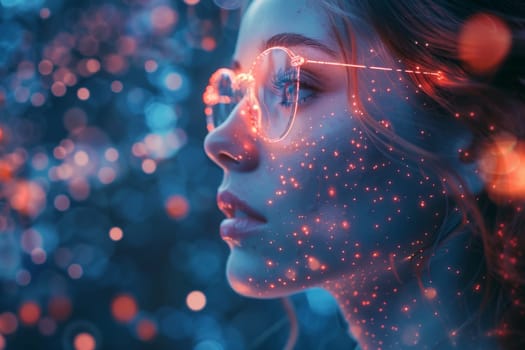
pixel 108 221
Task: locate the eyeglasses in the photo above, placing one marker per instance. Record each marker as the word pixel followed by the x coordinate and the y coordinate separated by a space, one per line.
pixel 270 93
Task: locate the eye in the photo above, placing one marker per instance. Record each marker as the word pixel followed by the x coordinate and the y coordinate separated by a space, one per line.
pixel 284 85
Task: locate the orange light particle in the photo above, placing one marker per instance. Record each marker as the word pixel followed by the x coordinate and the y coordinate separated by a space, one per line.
pixel 163 18
pixel 115 64
pixel 59 308
pixel 58 89
pixel 83 94
pixel 150 66
pixel 29 313
pixel 149 166
pixel 92 65
pixel 196 300
pixel 6 171
pixel 502 166
pixel 146 330
pixel 116 86
pixel 8 323
pixel 124 308
pixel 45 67
pixel 313 264
pixel 84 341
pixel 116 233
pixel 27 197
pixel 208 43
pixel 177 207
pixel 484 42
pixel 430 293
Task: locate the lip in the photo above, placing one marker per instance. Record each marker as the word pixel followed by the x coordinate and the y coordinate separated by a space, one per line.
pixel 236 229
pixel 241 219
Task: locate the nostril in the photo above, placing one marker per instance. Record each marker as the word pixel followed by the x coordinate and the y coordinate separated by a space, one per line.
pixel 226 157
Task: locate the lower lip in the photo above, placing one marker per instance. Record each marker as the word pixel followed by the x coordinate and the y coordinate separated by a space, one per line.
pixel 236 229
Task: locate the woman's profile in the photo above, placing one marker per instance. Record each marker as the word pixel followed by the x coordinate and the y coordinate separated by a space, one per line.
pixel 375 149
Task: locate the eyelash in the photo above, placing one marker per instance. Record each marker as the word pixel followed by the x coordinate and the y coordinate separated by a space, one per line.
pixel 284 79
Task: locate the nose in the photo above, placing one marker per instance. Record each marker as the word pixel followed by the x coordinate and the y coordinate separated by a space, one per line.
pixel 233 145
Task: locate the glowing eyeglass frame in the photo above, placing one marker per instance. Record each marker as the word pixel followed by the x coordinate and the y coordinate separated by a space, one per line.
pixel 211 96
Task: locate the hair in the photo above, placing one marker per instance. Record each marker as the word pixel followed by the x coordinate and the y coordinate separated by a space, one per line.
pixel 490 102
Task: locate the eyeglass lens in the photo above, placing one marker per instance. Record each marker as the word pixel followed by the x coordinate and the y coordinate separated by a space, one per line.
pixel 269 95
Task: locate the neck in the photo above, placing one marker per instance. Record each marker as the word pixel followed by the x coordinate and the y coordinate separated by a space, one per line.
pixel 391 306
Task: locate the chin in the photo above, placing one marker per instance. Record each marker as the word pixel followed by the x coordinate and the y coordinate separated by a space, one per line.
pixel 255 290
pixel 253 281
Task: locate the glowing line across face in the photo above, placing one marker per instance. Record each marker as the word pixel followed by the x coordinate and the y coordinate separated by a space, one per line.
pixel 271 90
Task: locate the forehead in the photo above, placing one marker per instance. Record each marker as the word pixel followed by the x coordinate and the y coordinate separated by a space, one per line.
pixel 265 19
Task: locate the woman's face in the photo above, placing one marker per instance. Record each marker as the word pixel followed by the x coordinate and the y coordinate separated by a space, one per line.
pixel 325 202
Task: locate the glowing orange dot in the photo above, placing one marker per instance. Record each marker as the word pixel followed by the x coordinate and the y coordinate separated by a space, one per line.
pixel 196 300
pixel 116 233
pixel 29 313
pixel 8 323
pixel 106 175
pixel 111 154
pixel 116 86
pixel 45 13
pixel 92 65
pixel 124 308
pixel 75 271
pixel 173 81
pixel 6 171
pixel 83 94
pixel 59 308
pixel 58 89
pixel 38 99
pixel 79 188
pixel 27 197
pixel 84 341
pixel 305 229
pixel 208 43
pixel 177 207
pixel 484 42
pixel 502 166
pixel 313 264
pixel 191 2
pixel 163 18
pixel 146 330
pixel 81 158
pixel 115 64
pixel 149 166
pixel 45 67
pixel 139 149
pixel 331 192
pixel 430 293
pixel 150 66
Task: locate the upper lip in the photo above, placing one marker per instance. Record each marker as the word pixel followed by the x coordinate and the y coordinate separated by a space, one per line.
pixel 232 207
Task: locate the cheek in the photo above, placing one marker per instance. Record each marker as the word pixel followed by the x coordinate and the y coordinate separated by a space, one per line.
pixel 340 194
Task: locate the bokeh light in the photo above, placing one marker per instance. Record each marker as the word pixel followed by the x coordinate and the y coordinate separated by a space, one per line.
pixel 29 313
pixel 84 341
pixel 484 42
pixel 124 308
pixel 108 201
pixel 196 300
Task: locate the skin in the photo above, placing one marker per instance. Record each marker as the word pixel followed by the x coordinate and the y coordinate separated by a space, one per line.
pixel 342 212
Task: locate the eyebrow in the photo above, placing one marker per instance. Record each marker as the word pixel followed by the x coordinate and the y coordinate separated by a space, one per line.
pixel 293 39
pixel 290 40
